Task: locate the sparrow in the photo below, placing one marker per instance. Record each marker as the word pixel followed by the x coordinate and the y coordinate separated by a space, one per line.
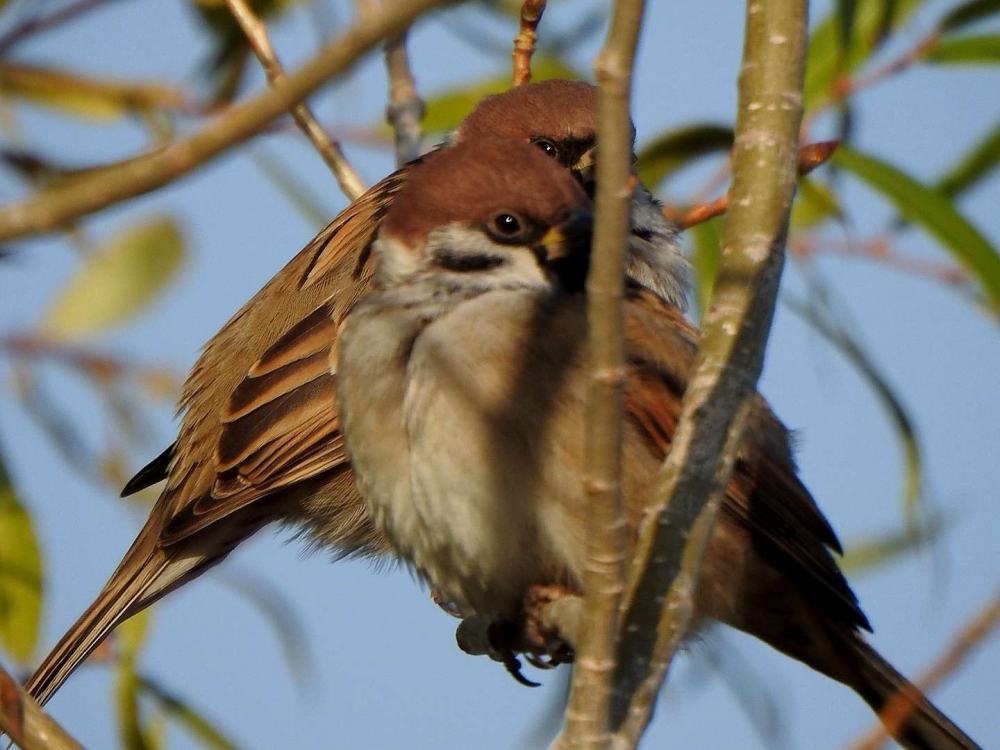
pixel 260 440
pixel 462 385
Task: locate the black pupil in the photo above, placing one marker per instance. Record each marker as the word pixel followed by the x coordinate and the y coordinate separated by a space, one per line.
pixel 548 147
pixel 507 224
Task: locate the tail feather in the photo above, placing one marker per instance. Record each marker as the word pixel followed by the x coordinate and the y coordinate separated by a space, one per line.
pixel 907 714
pixel 133 586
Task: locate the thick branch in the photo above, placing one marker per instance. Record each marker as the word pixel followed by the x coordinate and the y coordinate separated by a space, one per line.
pixel 54 208
pixel 587 713
pixel 329 149
pixel 25 723
pixel 672 544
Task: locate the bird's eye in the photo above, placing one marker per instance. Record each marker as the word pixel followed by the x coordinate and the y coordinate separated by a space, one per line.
pixel 506 225
pixel 547 147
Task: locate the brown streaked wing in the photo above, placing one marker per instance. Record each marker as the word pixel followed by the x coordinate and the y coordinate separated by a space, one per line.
pixel 764 494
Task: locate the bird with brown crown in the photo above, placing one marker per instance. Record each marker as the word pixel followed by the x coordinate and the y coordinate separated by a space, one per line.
pixel 260 439
pixel 462 389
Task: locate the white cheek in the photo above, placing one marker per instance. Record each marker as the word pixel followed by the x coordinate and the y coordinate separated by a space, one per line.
pixel 395 260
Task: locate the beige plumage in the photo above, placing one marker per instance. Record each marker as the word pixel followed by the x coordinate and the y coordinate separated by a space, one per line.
pixel 462 390
pixel 260 438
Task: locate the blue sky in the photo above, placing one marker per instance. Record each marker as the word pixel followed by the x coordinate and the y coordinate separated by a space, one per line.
pixel 387 673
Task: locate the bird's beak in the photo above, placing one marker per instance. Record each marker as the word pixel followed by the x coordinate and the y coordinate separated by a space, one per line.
pixel 586 170
pixel 565 250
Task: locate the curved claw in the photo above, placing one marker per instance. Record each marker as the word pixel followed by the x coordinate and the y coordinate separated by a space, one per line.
pixel 513 665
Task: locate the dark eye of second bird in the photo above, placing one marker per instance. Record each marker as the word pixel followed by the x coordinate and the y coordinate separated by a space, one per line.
pixel 547 147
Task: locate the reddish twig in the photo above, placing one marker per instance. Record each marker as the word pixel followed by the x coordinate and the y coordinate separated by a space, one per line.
pixel 527 37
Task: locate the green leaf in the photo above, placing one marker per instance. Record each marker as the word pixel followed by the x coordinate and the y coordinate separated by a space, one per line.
pixel 826 62
pixel 814 203
pixel 966 50
pixel 186 716
pixel 905 428
pixel 20 575
pixel 969 12
pixel 977 164
pixel 934 212
pixel 118 280
pixel 866 554
pixel 446 110
pixel 707 238
pixel 131 635
pixel 674 149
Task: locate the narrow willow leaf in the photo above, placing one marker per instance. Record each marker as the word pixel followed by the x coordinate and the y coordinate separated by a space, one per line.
pixel 814 203
pixel 867 554
pixel 85 97
pixel 966 50
pixel 186 716
pixel 846 10
pixel 934 212
pixel 982 159
pixel 902 422
pixel 444 111
pixel 674 149
pixel 706 237
pixel 130 637
pixel 118 280
pixel 20 575
pixel 826 62
pixel 968 13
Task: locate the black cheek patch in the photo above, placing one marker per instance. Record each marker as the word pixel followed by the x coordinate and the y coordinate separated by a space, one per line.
pixel 466 263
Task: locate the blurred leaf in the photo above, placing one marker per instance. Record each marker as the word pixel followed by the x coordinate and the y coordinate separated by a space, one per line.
pixel 130 637
pixel 273 605
pixel 118 280
pixel 446 110
pixel 706 238
pixel 902 422
pixel 814 202
pixel 186 716
pixel 933 211
pixel 676 148
pixel 20 575
pixel 293 189
pixel 872 21
pixel 87 97
pixel 871 553
pixel 969 12
pixel 973 167
pixel 966 50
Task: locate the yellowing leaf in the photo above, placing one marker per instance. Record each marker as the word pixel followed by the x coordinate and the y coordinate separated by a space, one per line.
pixel 118 280
pixel 814 203
pixel 20 575
pixel 676 148
pixel 88 97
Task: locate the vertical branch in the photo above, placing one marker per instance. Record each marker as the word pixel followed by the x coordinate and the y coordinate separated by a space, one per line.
pixel 405 109
pixel 524 42
pixel 329 149
pixel 25 723
pixel 587 713
pixel 660 595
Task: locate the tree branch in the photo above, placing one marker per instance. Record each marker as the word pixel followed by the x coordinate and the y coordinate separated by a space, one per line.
pixel 587 712
pixel 405 109
pixel 25 723
pixel 659 598
pixel 54 208
pixel 524 42
pixel 329 149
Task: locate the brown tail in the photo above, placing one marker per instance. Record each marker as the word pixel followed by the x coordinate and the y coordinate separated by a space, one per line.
pixel 145 574
pixel 909 717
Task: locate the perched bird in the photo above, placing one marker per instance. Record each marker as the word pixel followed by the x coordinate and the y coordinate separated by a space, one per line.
pixel 260 438
pixel 462 380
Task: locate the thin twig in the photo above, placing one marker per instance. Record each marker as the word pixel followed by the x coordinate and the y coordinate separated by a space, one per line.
pixel 38 24
pixel 329 149
pixel 25 723
pixel 405 109
pixel 898 709
pixel 527 37
pixel 56 207
pixel 717 402
pixel 587 724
